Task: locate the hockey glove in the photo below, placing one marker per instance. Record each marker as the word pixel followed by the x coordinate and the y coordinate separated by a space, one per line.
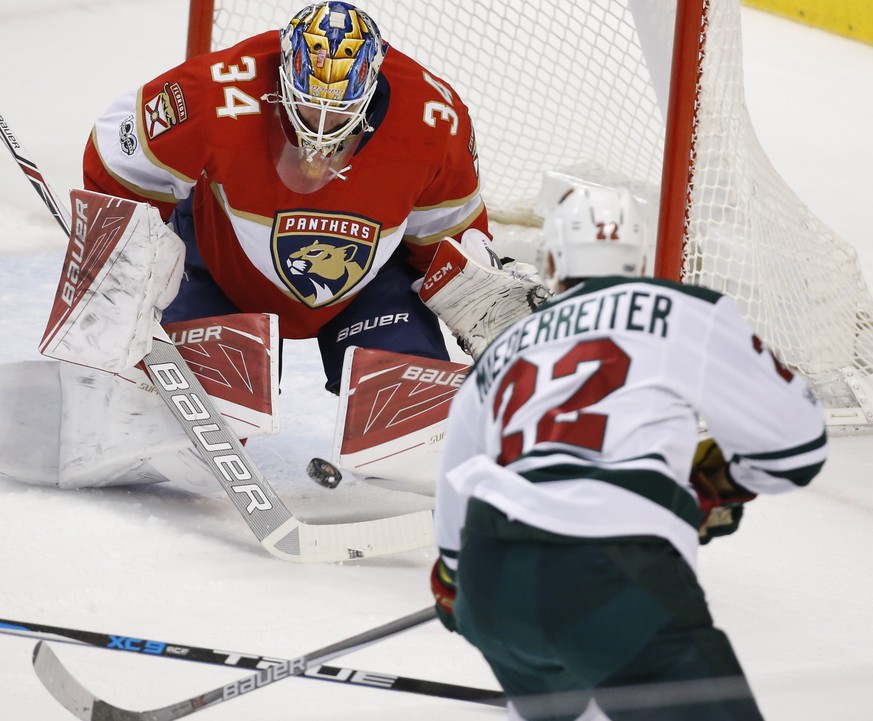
pixel 477 297
pixel 721 500
pixel 442 586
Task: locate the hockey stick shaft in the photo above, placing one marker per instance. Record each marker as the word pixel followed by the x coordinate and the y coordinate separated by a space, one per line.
pixel 78 700
pixel 227 460
pixel 34 175
pixel 234 659
pixel 275 527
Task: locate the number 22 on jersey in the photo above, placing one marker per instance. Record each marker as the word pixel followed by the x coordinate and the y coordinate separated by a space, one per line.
pixel 566 420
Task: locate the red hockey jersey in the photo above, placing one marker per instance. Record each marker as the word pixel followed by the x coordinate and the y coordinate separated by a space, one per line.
pixel 210 123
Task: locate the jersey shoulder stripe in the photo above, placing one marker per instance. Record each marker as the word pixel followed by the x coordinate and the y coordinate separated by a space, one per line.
pixel 819 442
pixel 595 285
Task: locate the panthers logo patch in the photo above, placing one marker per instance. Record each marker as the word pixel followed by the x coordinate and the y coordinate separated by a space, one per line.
pixel 321 256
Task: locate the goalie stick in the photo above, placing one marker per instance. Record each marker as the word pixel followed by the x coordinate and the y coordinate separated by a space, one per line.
pixel 67 690
pixel 235 659
pixel 276 528
pixel 30 169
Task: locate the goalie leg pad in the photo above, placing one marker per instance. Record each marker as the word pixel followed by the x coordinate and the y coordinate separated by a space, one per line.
pixel 29 422
pixel 110 427
pixel 72 426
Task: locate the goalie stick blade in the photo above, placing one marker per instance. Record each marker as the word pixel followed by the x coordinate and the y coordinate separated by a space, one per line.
pixel 329 543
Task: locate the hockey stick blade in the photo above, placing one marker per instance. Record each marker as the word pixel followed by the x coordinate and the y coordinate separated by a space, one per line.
pixel 234 659
pixel 74 697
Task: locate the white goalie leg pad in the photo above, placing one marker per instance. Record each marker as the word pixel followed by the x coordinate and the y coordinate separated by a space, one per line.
pixel 476 300
pixel 123 267
pixel 29 422
pixel 71 426
pixel 111 428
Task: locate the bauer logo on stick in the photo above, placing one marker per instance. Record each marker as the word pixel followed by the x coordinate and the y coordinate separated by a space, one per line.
pixel 214 448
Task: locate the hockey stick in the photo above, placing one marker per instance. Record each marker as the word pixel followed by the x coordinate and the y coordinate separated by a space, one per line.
pixel 82 703
pixel 30 169
pixel 278 530
pixel 216 657
pixel 273 524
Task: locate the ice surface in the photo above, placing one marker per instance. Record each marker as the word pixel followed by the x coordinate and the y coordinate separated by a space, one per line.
pixel 793 589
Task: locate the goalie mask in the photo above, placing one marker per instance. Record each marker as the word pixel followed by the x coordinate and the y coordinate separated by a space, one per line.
pixel 592 231
pixel 331 53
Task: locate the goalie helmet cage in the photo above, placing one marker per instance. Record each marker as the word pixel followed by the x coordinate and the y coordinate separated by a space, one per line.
pixel 600 90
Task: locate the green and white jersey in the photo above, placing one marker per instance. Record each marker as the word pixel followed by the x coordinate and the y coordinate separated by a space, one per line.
pixel 582 419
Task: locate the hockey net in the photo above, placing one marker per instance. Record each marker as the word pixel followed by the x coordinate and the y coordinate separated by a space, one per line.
pixel 586 87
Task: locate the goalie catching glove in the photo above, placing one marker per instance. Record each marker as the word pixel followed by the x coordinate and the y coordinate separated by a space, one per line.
pixel 721 500
pixel 474 294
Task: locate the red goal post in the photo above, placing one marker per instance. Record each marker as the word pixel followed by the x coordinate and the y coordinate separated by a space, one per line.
pixel 648 93
pixel 200 14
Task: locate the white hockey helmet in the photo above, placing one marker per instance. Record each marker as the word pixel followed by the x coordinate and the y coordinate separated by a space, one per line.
pixel 593 230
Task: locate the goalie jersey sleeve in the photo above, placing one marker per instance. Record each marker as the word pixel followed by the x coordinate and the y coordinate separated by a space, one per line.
pixel 213 124
pixel 582 419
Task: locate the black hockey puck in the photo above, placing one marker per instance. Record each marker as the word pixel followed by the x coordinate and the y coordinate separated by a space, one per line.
pixel 324 473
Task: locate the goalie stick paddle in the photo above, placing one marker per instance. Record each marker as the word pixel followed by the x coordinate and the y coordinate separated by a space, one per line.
pixel 234 659
pixel 67 690
pixel 278 531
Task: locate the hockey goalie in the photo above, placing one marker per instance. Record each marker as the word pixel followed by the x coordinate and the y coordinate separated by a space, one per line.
pixel 94 411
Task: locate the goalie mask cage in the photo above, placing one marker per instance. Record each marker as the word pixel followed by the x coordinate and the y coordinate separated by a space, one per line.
pixel 648 94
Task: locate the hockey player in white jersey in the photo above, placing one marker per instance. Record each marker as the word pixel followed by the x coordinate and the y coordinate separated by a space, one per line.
pixel 566 519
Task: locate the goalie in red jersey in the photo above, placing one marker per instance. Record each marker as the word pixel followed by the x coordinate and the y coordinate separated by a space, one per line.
pixel 311 173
